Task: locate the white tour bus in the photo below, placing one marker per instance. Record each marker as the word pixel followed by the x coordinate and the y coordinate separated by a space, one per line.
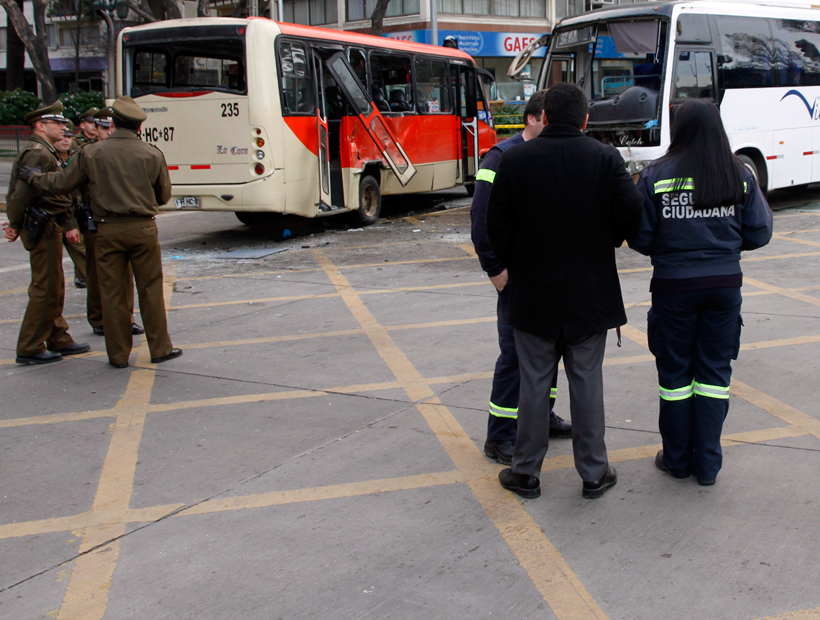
pixel 759 61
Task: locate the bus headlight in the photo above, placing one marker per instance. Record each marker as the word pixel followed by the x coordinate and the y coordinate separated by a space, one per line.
pixel 260 154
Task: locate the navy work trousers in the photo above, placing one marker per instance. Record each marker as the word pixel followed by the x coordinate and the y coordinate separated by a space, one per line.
pixel 503 418
pixel 694 337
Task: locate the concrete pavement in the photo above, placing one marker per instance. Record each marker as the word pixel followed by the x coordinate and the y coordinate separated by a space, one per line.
pixel 316 452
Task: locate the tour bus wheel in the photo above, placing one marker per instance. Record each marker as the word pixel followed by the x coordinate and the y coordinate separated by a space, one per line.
pixel 370 201
pixel 470 187
pixel 248 218
pixel 750 165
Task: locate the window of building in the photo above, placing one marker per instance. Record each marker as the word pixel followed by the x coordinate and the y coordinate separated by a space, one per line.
pixel 89 36
pixel 432 86
pixel 4 43
pixel 363 9
pixel 509 8
pixel 797 44
pixel 310 12
pixel 392 81
pixel 297 94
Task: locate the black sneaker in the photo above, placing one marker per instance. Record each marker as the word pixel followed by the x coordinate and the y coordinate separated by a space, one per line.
pixel 596 488
pixel 528 487
pixel 559 427
pixel 501 451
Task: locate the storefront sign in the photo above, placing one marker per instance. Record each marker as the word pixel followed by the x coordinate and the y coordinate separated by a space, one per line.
pixel 476 43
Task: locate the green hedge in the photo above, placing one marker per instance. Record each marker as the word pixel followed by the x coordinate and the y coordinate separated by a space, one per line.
pixel 16 104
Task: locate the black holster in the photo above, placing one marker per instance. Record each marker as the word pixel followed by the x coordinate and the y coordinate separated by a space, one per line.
pixel 36 220
pixel 85 219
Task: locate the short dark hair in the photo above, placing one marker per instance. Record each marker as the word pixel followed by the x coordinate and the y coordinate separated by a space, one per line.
pixel 535 106
pixel 566 104
pixel 121 124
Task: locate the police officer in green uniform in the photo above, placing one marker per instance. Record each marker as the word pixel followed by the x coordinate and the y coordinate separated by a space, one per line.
pixel 87 130
pixel 75 250
pixel 94 310
pixel 127 182
pixel 44 336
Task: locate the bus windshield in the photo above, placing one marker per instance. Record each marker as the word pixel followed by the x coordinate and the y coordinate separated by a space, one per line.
pixel 187 65
pixel 618 64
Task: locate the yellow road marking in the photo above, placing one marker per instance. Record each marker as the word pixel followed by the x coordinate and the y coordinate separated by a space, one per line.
pixel 779 409
pixel 795 240
pixel 784 291
pixel 798 232
pixel 467 247
pixel 806 614
pixel 553 577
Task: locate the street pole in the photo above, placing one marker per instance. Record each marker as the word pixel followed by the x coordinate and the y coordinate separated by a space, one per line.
pixel 253 8
pixel 281 5
pixel 434 22
pixel 112 67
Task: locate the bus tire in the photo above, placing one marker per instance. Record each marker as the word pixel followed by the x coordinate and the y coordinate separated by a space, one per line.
pixel 470 187
pixel 750 165
pixel 370 201
pixel 248 218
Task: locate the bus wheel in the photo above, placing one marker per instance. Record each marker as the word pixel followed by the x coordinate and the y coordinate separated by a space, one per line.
pixel 752 167
pixel 470 187
pixel 246 217
pixel 370 201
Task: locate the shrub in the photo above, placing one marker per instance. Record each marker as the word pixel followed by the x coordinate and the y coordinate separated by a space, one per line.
pixel 15 105
pixel 77 103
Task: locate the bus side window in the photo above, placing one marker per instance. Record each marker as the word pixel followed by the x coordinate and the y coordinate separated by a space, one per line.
pixel 694 76
pixel 150 72
pixel 358 62
pixel 393 76
pixel 297 95
pixel 749 52
pixel 798 52
pixel 432 86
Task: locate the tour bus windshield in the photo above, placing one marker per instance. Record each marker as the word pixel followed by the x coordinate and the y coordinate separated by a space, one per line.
pixel 187 65
pixel 612 60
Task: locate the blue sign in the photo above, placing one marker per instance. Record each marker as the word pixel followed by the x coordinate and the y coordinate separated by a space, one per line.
pixel 476 43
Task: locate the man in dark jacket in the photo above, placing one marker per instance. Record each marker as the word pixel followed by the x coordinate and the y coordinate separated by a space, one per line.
pixel 565 294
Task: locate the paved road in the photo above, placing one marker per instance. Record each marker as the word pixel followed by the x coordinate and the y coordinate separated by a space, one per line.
pixel 316 453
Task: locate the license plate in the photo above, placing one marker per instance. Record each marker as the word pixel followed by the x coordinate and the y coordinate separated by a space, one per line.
pixel 187 202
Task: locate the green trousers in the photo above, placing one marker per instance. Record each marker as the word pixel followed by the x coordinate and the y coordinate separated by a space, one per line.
pixel 118 243
pixel 43 323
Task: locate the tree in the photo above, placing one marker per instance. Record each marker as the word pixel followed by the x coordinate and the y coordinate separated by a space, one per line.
pixel 15 56
pixel 36 43
pixel 377 19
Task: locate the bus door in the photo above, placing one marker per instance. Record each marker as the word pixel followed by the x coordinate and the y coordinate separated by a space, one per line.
pixel 371 118
pixel 467 107
pixel 323 133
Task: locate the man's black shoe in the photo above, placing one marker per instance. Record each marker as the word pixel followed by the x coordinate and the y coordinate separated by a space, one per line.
pixel 173 354
pixel 661 464
pixel 136 330
pixel 99 331
pixel 125 365
pixel 528 487
pixel 46 357
pixel 596 488
pixel 706 482
pixel 559 427
pixel 75 348
pixel 79 283
pixel 501 451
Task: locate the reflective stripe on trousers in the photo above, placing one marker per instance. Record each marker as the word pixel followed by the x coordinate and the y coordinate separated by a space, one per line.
pixel 508 412
pixel 701 389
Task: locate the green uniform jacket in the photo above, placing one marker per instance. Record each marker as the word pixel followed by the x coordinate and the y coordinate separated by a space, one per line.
pixel 125 176
pixel 79 141
pixel 37 152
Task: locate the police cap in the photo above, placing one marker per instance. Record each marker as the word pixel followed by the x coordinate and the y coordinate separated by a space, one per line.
pixel 69 130
pixel 103 117
pixel 54 112
pixel 126 109
pixel 88 115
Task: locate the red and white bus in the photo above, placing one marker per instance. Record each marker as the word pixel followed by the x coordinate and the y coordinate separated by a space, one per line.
pixel 258 116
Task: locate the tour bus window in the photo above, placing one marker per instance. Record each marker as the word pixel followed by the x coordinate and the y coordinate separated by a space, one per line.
pixel 693 76
pixel 747 51
pixel 150 69
pixel 392 79
pixel 297 95
pixel 432 86
pixel 798 52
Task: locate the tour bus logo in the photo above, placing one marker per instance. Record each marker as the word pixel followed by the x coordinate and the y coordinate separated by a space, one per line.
pixel 814 110
pixel 233 150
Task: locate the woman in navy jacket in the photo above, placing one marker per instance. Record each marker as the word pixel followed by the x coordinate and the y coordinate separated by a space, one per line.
pixel 701 208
